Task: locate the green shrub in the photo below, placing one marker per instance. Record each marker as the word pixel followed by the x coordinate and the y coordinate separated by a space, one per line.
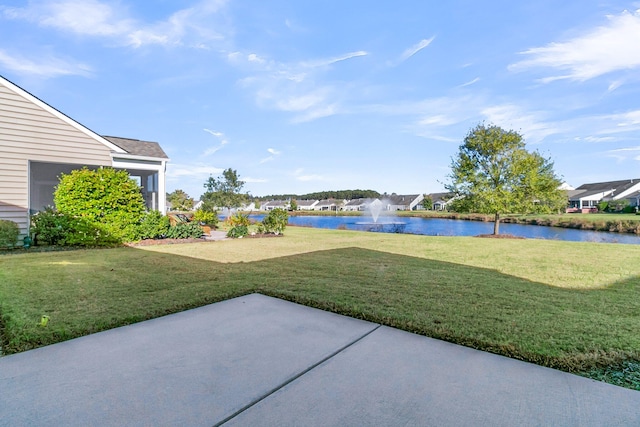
pixel 238 231
pixel 57 228
pixel 9 233
pixel 184 231
pixel 86 233
pixel 154 225
pixel 50 226
pixel 106 197
pixel 275 221
pixel 206 217
pixel 239 219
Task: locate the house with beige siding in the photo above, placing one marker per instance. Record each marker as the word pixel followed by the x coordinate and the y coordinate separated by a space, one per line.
pixel 38 143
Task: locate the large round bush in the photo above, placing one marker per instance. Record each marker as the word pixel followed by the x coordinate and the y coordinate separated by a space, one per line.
pixel 105 196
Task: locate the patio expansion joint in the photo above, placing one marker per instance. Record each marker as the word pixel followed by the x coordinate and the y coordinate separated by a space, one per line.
pixel 296 376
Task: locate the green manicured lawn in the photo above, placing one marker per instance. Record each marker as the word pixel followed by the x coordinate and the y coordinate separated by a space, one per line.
pixel 574 306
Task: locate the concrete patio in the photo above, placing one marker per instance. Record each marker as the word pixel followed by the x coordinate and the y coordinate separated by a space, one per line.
pixel 260 361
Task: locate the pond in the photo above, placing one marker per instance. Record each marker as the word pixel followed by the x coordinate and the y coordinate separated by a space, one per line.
pixel 454 227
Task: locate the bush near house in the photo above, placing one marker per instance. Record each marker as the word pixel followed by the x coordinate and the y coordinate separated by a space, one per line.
pixel 184 231
pixel 56 228
pixel 105 197
pixel 9 233
pixel 154 225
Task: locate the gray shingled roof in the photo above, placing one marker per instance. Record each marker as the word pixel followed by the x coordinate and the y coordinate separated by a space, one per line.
pixel 618 186
pixel 138 147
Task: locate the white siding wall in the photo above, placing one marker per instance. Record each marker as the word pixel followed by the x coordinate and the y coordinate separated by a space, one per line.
pixel 30 133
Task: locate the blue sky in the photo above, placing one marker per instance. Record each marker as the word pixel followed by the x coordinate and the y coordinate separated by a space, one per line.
pixel 303 96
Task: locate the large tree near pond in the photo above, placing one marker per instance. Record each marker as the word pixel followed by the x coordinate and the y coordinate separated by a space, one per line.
pixel 493 173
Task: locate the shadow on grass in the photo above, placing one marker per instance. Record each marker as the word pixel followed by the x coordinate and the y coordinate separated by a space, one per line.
pixel 89 291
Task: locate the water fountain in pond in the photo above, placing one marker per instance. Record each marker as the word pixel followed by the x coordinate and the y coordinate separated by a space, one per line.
pixel 384 223
pixel 375 208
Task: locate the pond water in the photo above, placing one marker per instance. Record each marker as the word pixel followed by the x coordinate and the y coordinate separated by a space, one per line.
pixel 453 227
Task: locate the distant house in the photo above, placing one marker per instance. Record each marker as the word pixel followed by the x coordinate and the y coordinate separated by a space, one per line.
pixel 306 205
pixel 329 205
pixel 38 143
pixel 441 201
pixel 586 197
pixel 357 204
pixel 273 204
pixel 403 202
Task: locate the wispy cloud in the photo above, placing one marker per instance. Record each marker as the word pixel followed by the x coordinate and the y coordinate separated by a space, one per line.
pixel 222 142
pixel 602 50
pixel 300 87
pixel 45 66
pixel 533 125
pixel 623 154
pixel 192 170
pixel 272 155
pixel 96 18
pixel 254 180
pixel 328 61
pixel 469 83
pixel 408 53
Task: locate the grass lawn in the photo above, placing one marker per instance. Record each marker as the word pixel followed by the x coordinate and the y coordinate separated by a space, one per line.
pixel 573 306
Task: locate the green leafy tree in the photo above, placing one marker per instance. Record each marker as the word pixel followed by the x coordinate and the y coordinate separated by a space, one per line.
pixel 106 198
pixel 293 206
pixel 427 202
pixel 224 191
pixel 493 173
pixel 180 201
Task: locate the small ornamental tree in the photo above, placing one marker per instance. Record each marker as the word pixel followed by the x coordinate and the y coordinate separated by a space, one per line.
pixel 105 197
pixel 493 173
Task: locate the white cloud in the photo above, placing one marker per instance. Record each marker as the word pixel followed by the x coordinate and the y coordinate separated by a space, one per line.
pixel 622 154
pixel 605 49
pixel 469 83
pixel 192 170
pixel 328 61
pixel 86 17
pixel 408 53
pixel 630 118
pixel 102 19
pixel 532 125
pixel 222 142
pixel 273 153
pixel 46 66
pixel 299 87
pixel 254 180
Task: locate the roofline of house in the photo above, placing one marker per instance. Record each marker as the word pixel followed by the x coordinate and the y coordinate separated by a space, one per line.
pixel 17 89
